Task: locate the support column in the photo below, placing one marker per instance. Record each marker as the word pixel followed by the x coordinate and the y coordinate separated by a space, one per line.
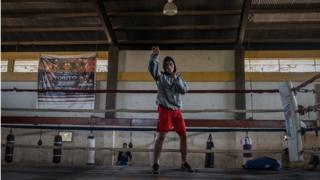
pixel 112 79
pixel 240 99
pixel 10 67
pixel 317 88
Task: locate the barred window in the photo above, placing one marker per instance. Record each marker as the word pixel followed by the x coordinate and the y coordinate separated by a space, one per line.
pixel 4 65
pixel 303 65
pixel 282 65
pixel 102 65
pixel 262 65
pixel 66 136
pixel 318 65
pixel 26 66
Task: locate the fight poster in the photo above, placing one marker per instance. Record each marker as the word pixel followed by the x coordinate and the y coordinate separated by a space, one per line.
pixel 66 73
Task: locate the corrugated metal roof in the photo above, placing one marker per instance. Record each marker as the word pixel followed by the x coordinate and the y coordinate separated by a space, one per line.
pixel 200 24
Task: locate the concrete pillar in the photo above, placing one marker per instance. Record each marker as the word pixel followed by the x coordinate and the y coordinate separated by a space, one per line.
pixel 112 79
pixel 240 99
pixel 10 65
pixel 317 88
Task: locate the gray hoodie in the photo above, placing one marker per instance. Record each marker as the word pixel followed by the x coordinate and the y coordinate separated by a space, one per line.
pixel 169 89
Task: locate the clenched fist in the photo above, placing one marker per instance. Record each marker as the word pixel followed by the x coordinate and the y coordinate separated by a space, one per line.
pixel 155 50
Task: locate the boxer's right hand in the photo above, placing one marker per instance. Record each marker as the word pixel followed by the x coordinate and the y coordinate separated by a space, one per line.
pixel 155 50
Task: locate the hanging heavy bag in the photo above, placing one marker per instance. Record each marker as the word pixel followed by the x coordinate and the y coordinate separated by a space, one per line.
pixel 57 149
pixel 9 147
pixel 91 144
pixel 247 146
pixel 209 160
pixel 130 145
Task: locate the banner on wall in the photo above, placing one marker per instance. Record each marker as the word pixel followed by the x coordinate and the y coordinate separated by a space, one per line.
pixel 66 73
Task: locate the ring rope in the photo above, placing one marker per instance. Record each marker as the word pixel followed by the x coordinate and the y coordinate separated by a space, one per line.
pixel 137 91
pixel 164 150
pixel 142 129
pixel 145 111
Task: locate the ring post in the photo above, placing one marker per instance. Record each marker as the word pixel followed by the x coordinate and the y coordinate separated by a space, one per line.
pixel 289 103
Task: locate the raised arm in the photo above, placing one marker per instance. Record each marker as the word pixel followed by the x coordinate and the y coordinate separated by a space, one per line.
pixel 153 63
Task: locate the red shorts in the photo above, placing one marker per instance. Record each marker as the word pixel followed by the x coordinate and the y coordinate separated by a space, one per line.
pixel 171 120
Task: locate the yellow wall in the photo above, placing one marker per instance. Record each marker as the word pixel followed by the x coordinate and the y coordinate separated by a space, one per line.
pixel 283 54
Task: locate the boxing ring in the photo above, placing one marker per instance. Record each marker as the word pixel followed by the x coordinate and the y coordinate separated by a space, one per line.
pixel 95 123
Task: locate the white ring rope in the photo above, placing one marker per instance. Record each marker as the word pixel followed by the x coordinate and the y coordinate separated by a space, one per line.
pixel 313 151
pixel 144 111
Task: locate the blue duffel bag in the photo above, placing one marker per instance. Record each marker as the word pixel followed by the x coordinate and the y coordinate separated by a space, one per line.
pixel 263 163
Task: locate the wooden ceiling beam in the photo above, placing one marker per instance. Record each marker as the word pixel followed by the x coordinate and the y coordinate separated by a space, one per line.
pixel 283 25
pixel 181 13
pixel 253 26
pixel 50 29
pixel 44 1
pixel 48 15
pixel 282 40
pixel 8 43
pixel 106 24
pixel 178 41
pixel 284 11
pixel 218 41
pixel 243 21
pixel 285 8
pixel 175 28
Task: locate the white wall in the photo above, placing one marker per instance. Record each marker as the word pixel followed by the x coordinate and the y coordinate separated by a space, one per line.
pixel 188 61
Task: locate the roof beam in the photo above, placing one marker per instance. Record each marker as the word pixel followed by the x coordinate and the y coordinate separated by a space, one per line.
pixel 106 24
pixel 50 29
pixel 8 43
pixel 181 13
pixel 279 40
pixel 284 11
pixel 285 8
pixel 217 41
pixel 243 21
pixel 48 15
pixel 180 41
pixel 284 25
pixel 43 1
pixel 217 46
pixel 175 28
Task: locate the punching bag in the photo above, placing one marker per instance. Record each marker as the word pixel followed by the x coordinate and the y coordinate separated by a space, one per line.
pixel 209 160
pixel 9 147
pixel 57 149
pixel 130 145
pixel 247 145
pixel 91 144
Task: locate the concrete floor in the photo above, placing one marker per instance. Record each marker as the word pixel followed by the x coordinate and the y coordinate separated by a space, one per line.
pixel 58 172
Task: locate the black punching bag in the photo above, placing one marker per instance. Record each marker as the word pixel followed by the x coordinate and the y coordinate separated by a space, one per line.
pixel 9 147
pixel 57 149
pixel 209 160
